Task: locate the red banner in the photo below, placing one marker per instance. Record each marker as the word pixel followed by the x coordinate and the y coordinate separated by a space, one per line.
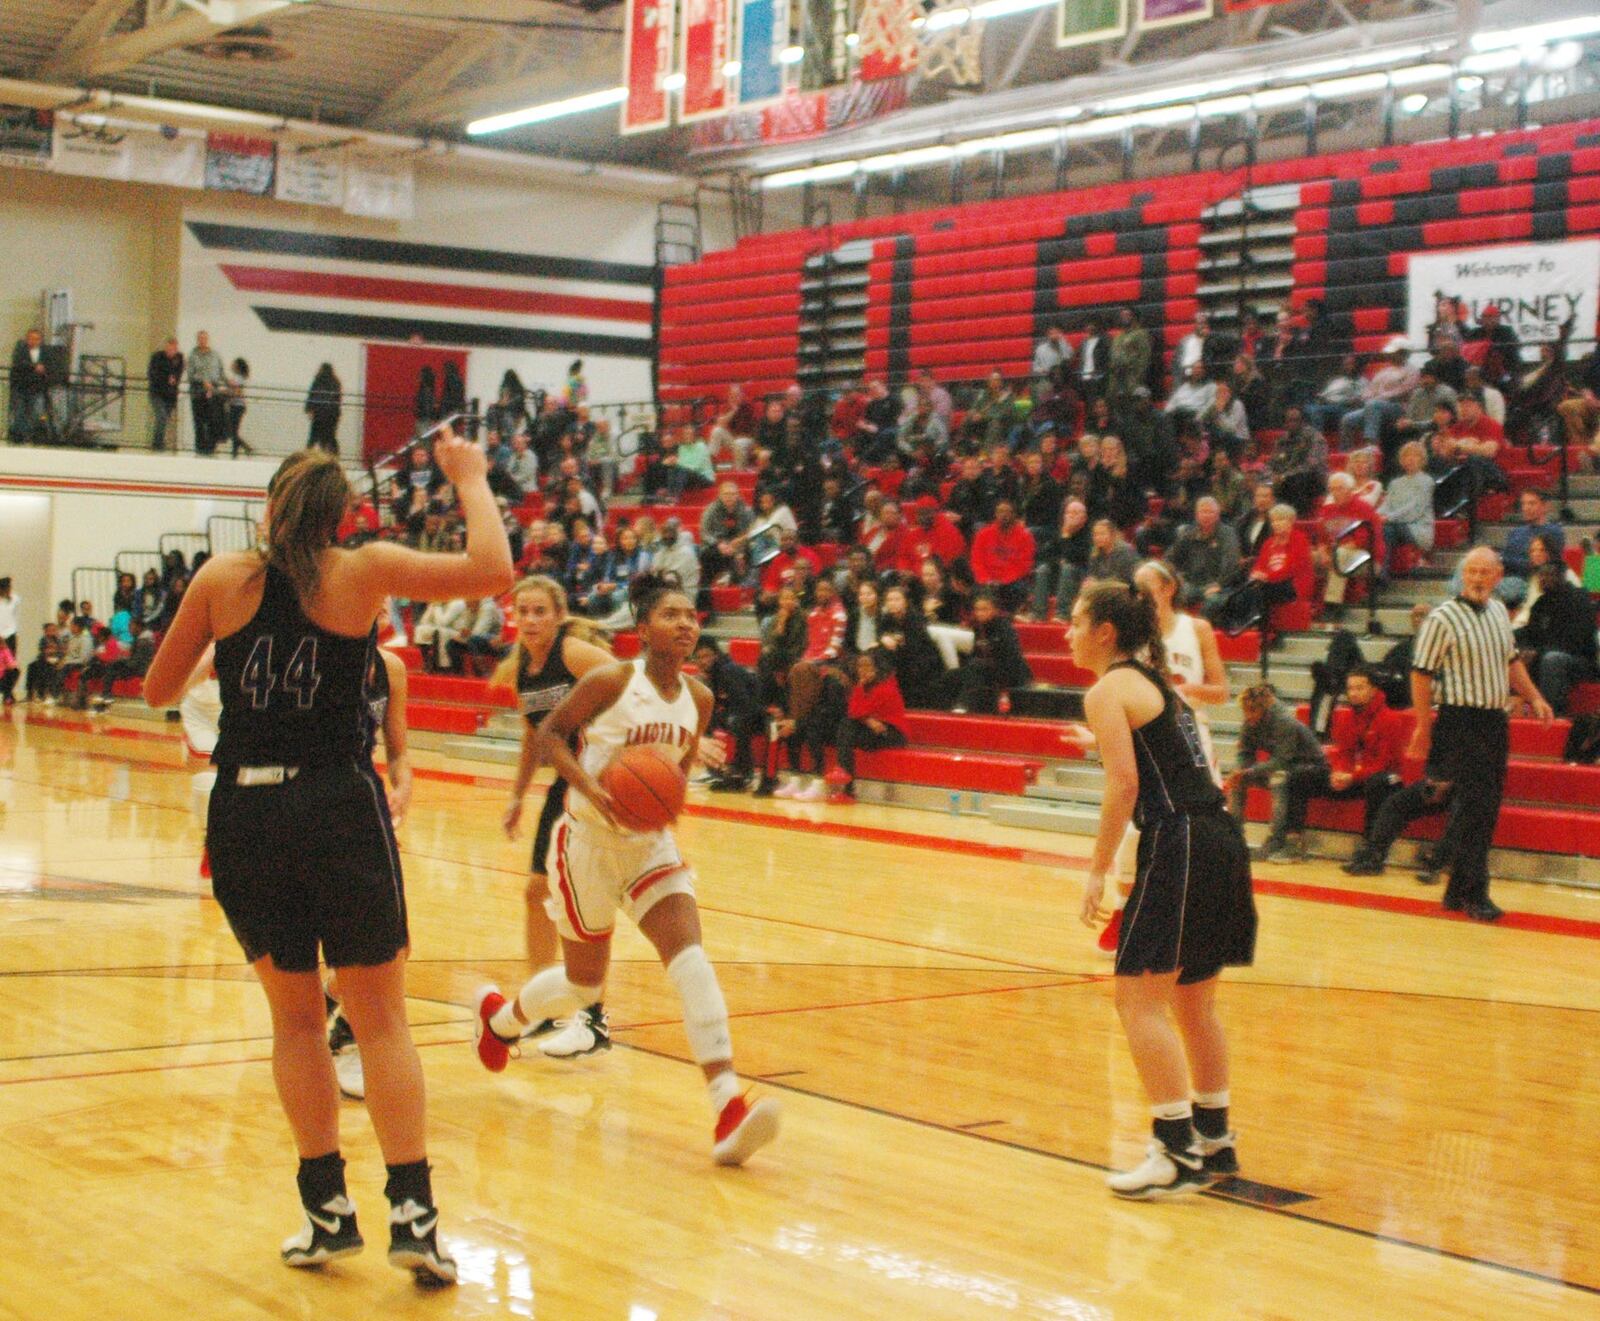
pixel 646 62
pixel 801 115
pixel 703 51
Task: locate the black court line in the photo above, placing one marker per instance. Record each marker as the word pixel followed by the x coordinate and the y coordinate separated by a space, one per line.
pixel 1504 1268
pixel 787 1073
pixel 980 1123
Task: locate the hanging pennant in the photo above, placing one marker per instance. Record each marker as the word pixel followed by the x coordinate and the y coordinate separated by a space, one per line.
pixel 763 34
pixel 1082 21
pixel 702 57
pixel 646 62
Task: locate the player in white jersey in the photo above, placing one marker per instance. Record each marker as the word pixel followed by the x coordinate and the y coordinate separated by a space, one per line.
pixel 1196 673
pixel 598 866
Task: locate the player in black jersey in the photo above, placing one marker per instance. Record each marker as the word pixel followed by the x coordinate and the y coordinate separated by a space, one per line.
pixel 1191 912
pixel 551 653
pixel 302 846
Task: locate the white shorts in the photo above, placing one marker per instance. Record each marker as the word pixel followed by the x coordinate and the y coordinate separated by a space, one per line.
pixel 594 871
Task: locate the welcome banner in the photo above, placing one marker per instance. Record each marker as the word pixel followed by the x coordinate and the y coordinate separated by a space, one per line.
pixel 702 56
pixel 646 62
pixel 1536 286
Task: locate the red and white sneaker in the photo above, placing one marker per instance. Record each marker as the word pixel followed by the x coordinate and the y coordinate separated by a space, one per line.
pixel 743 1129
pixel 1110 933
pixel 493 1049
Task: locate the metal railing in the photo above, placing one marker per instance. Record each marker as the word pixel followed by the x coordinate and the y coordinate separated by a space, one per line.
pixel 225 532
pixel 187 544
pixel 138 563
pixel 96 586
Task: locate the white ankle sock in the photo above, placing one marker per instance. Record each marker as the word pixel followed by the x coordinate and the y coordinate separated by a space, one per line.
pixel 1212 1100
pixel 1173 1110
pixel 723 1088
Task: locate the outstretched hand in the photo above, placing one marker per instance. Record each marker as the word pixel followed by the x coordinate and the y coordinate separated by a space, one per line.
pixel 459 460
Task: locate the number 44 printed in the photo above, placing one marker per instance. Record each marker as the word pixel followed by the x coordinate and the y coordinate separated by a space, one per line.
pixel 301 678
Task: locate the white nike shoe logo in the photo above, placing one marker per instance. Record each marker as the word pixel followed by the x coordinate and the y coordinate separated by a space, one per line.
pixel 421 1229
pixel 330 1225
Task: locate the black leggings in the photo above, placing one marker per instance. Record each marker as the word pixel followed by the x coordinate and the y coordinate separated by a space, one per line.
pixel 853 734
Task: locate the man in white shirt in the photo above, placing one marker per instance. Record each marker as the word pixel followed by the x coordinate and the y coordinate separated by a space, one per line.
pixel 1192 349
pixel 1051 352
pixel 442 623
pixel 207 394
pixel 1494 403
pixel 1194 393
pixel 9 605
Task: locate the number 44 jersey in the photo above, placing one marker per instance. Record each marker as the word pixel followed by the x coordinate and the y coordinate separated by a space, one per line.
pixel 293 694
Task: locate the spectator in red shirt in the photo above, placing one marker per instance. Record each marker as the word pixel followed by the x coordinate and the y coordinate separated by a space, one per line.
pixel 931 533
pixel 778 572
pixel 1283 568
pixel 1341 508
pixel 1364 761
pixel 817 688
pixel 886 542
pixel 1002 557
pixel 359 516
pixel 848 413
pixel 735 426
pixel 875 717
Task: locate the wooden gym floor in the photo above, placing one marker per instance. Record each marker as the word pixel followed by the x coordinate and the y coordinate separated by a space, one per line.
pixel 1418 1098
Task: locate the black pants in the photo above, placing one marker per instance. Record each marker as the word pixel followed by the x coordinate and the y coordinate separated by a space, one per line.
pixel 44 680
pixel 111 672
pixel 853 734
pixel 209 423
pixel 816 729
pixel 1304 785
pixel 1412 803
pixel 1470 748
pixel 8 684
pixel 741 725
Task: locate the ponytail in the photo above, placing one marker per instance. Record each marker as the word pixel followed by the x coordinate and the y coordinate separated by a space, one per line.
pixel 1132 616
pixel 306 501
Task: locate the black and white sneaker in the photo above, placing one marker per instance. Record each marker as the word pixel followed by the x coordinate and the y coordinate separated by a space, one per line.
pixel 1163 1173
pixel 414 1243
pixel 587 1033
pixel 543 1028
pixel 330 1233
pixel 1219 1156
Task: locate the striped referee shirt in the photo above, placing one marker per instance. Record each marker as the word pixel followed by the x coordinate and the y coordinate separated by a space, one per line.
pixel 1467 650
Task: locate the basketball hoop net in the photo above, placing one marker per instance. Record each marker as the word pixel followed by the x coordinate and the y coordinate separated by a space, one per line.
pixel 888 41
pixel 955 51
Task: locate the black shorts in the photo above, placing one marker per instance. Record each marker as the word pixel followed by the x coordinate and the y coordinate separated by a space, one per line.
pixel 309 863
pixel 555 803
pixel 1191 910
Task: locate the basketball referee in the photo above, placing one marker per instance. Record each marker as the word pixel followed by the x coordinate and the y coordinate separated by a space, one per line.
pixel 1466 660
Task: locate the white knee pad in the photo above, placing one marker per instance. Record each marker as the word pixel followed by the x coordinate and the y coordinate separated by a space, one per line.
pixel 705 1012
pixel 548 994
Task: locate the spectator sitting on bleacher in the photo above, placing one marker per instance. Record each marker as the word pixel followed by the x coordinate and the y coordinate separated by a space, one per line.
pixel 1351 531
pixel 1519 566
pixel 995 664
pixel 1205 554
pixel 1113 493
pixel 1003 557
pixel 616 570
pixel 722 527
pixel 1039 499
pixel 521 467
pixel 875 435
pixel 735 711
pixel 1052 356
pixel 734 428
pixel 773 427
pixel 481 639
pixel 861 617
pixel 1229 487
pixel 1224 423
pixel 1449 368
pixel 1130 358
pixel 1362 465
pixel 1299 463
pixel 778 572
pixel 1558 639
pixel 1383 397
pixel 875 716
pixel 140 651
pixel 887 541
pixel 1338 395
pixel 674 552
pixel 1580 411
pixel 1062 569
pixel 126 596
pixel 1251 389
pixel 1191 350
pixel 903 634
pixel 121 626
pixel 1364 761
pixel 78 654
pixel 1407 505
pixel 1500 354
pixel 921 425
pixel 1193 395
pixel 44 670
pixel 930 532
pixel 992 415
pixel 1283 568
pixel 441 623
pixel 1111 560
pixel 927 386
pixel 815 687
pixel 1416 419
pixel 152 599
pixel 1293 756
pixel 694 463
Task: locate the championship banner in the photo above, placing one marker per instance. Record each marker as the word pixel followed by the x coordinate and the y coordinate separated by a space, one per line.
pixel 763 34
pixel 167 157
pixel 802 115
pixel 1079 22
pixel 1170 13
pixel 379 189
pixel 646 62
pixel 239 164
pixel 702 54
pixel 311 177
pixel 26 137
pixel 96 152
pixel 1536 286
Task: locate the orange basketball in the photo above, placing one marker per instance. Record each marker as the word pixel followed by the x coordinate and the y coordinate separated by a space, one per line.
pixel 646 787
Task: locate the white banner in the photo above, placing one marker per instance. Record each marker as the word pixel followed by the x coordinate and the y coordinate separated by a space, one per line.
pixel 315 178
pixel 1537 286
pixel 98 152
pixel 173 159
pixel 381 189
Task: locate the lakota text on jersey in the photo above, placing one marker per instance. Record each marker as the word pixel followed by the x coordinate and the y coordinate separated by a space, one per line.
pixel 660 731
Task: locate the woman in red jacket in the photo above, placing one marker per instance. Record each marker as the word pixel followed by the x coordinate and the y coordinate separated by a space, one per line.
pixel 1283 568
pixel 876 716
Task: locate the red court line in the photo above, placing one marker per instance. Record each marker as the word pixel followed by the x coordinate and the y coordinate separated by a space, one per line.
pixel 86 726
pixel 432 293
pixel 1543 923
pixel 132 488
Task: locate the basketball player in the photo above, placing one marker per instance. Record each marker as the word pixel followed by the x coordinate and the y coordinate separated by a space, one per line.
pixel 302 845
pixel 599 866
pixel 1191 912
pixel 1196 673
pixel 550 655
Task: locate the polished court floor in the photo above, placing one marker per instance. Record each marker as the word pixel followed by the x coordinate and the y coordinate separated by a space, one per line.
pixel 1418 1098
